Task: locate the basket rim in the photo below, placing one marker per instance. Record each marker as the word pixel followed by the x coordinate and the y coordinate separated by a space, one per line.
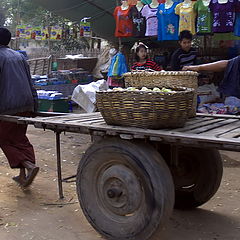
pixel 182 90
pixel 161 73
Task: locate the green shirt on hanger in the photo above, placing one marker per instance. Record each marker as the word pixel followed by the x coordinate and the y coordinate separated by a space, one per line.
pixel 204 18
pixel 146 1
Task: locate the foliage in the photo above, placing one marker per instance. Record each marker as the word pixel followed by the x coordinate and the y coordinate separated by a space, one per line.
pixel 25 11
pixel 14 12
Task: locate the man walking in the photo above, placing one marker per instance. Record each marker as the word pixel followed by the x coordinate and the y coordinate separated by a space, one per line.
pixel 19 98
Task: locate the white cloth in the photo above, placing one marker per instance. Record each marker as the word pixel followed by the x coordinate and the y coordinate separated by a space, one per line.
pixel 85 95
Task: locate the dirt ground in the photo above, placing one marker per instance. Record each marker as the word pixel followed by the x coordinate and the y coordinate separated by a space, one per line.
pixel 37 214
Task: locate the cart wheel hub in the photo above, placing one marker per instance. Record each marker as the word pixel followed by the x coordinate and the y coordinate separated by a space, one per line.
pixel 112 193
pixel 120 190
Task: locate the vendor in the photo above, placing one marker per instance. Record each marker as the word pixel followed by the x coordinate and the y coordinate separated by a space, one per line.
pixel 185 55
pixel 142 61
pixel 230 86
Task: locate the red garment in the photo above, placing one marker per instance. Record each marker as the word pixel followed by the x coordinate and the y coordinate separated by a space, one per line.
pixel 124 24
pixel 115 82
pixel 15 144
pixel 132 2
pixel 148 65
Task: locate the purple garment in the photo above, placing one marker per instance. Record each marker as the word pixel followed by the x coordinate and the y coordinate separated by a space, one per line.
pixel 223 16
pixel 152 22
pixel 237 5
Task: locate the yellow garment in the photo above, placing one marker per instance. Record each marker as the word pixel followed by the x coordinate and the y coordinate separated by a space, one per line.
pixel 187 17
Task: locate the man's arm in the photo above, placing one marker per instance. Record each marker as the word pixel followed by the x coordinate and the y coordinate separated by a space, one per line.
pixel 214 67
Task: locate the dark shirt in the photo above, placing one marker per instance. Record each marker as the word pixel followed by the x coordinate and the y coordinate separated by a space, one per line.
pixel 17 94
pixel 181 58
pixel 139 22
pixel 230 86
pixel 148 65
pixel 223 15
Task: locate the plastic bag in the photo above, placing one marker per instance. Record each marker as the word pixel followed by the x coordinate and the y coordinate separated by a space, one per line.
pixel 212 96
pixel 104 62
pixel 118 66
pixel 85 95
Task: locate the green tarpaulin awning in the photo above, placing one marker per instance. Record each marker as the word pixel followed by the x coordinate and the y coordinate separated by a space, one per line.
pixel 100 11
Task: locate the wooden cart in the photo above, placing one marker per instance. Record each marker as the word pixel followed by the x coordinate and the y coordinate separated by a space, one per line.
pixel 129 179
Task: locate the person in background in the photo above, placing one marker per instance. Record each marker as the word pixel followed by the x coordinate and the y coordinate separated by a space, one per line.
pixel 142 61
pixel 230 86
pixel 185 55
pixel 18 98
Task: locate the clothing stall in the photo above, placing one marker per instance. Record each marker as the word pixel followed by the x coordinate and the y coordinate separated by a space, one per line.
pixel 161 21
pixel 158 23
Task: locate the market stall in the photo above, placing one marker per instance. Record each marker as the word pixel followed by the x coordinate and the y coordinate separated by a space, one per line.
pixel 151 151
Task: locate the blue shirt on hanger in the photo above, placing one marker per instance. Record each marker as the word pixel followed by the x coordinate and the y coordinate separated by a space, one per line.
pixel 237 25
pixel 168 22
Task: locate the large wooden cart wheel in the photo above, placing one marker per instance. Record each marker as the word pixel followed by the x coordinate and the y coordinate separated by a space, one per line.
pixel 125 189
pixel 197 176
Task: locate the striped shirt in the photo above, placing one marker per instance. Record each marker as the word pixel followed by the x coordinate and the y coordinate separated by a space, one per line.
pixel 180 58
pixel 148 65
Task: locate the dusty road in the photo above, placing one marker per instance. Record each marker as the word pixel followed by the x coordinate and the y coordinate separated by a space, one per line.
pixel 36 214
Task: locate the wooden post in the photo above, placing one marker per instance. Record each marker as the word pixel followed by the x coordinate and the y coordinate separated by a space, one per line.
pixel 119 44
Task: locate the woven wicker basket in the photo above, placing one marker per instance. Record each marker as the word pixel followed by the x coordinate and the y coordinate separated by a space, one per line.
pixel 152 110
pixel 147 79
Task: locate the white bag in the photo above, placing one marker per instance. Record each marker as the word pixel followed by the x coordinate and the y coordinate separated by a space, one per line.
pixel 85 95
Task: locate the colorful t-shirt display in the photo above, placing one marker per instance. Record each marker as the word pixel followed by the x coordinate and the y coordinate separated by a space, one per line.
pixel 223 16
pixel 168 23
pixel 187 17
pixel 204 17
pixel 124 24
pixel 139 22
pixel 151 18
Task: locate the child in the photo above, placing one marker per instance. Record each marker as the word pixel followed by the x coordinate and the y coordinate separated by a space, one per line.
pixel 143 63
pixel 186 55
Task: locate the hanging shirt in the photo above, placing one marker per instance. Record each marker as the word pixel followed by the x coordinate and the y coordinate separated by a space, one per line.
pixel 187 17
pixel 237 6
pixel 204 17
pixel 237 25
pixel 148 65
pixel 150 1
pixel 146 2
pixel 168 23
pixel 124 25
pixel 151 17
pixel 237 21
pixel 223 16
pixel 139 22
pixel 132 2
